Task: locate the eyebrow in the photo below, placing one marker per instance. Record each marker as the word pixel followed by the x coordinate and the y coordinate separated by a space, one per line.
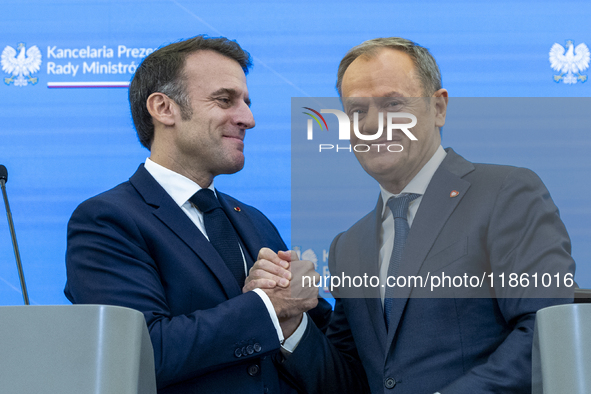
pixel 359 100
pixel 392 94
pixel 389 94
pixel 231 92
pixel 354 101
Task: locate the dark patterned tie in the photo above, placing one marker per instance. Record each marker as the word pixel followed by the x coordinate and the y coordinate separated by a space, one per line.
pixel 220 232
pixel 399 208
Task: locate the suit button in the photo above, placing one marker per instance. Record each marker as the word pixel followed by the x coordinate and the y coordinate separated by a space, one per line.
pixel 389 383
pixel 238 352
pixel 249 350
pixel 257 347
pixel 253 370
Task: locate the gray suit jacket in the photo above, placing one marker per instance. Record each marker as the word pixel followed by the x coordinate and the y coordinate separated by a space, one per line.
pixel 474 220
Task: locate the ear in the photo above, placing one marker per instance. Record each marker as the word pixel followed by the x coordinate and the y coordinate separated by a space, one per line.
pixel 440 99
pixel 162 108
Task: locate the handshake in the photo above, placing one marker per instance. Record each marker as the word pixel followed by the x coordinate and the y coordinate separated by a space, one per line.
pixel 279 275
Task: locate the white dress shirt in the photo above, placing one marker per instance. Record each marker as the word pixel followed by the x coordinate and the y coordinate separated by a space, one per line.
pixel 180 189
pixel 417 185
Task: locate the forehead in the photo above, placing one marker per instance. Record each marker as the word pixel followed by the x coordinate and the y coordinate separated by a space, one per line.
pixel 207 71
pixel 390 72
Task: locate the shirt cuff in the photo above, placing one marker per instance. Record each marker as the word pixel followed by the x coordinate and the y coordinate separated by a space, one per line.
pixel 272 313
pixel 292 342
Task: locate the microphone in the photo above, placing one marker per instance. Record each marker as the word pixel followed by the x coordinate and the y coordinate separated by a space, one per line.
pixel 3 180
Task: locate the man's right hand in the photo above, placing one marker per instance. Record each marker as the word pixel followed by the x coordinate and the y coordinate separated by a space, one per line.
pixel 271 269
pixel 289 301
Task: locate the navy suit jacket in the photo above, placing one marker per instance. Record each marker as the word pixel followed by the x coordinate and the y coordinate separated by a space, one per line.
pixel 133 246
pixel 501 219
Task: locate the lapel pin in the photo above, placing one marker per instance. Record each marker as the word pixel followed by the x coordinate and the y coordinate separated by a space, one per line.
pixel 454 193
pixel 237 209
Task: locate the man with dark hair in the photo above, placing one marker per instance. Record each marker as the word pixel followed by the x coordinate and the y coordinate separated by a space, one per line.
pixel 163 72
pixel 436 214
pixel 170 245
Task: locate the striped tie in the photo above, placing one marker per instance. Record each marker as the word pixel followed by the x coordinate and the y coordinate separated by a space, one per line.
pixel 399 208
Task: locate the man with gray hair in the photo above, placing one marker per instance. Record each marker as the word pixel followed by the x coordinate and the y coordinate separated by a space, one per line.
pixel 436 213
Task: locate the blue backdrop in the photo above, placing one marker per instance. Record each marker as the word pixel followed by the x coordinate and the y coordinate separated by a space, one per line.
pixel 63 144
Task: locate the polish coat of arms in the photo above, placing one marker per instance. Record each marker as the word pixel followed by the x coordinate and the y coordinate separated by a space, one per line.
pixel 21 64
pixel 570 62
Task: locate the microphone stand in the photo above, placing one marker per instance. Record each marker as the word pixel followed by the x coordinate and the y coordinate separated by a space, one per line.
pixel 14 244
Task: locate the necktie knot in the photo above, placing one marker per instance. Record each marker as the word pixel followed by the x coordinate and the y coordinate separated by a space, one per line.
pixel 205 200
pixel 399 206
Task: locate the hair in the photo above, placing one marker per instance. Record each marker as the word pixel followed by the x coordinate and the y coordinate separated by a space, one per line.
pixel 163 71
pixel 424 62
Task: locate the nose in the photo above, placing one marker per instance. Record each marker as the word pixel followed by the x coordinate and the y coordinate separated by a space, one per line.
pixel 371 121
pixel 244 118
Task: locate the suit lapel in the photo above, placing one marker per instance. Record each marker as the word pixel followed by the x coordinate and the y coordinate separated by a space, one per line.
pixel 169 213
pixel 358 255
pixel 369 251
pixel 436 207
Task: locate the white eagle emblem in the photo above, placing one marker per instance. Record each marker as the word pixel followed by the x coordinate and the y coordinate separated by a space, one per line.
pixel 20 66
pixel 569 62
pixel 310 256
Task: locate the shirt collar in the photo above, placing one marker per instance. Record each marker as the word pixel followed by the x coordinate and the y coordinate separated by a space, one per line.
pixel 419 183
pixel 178 186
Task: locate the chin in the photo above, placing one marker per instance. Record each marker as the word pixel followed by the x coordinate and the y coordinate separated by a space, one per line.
pixel 234 167
pixel 381 164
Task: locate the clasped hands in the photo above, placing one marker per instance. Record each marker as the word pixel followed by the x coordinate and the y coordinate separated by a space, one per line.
pixel 279 275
